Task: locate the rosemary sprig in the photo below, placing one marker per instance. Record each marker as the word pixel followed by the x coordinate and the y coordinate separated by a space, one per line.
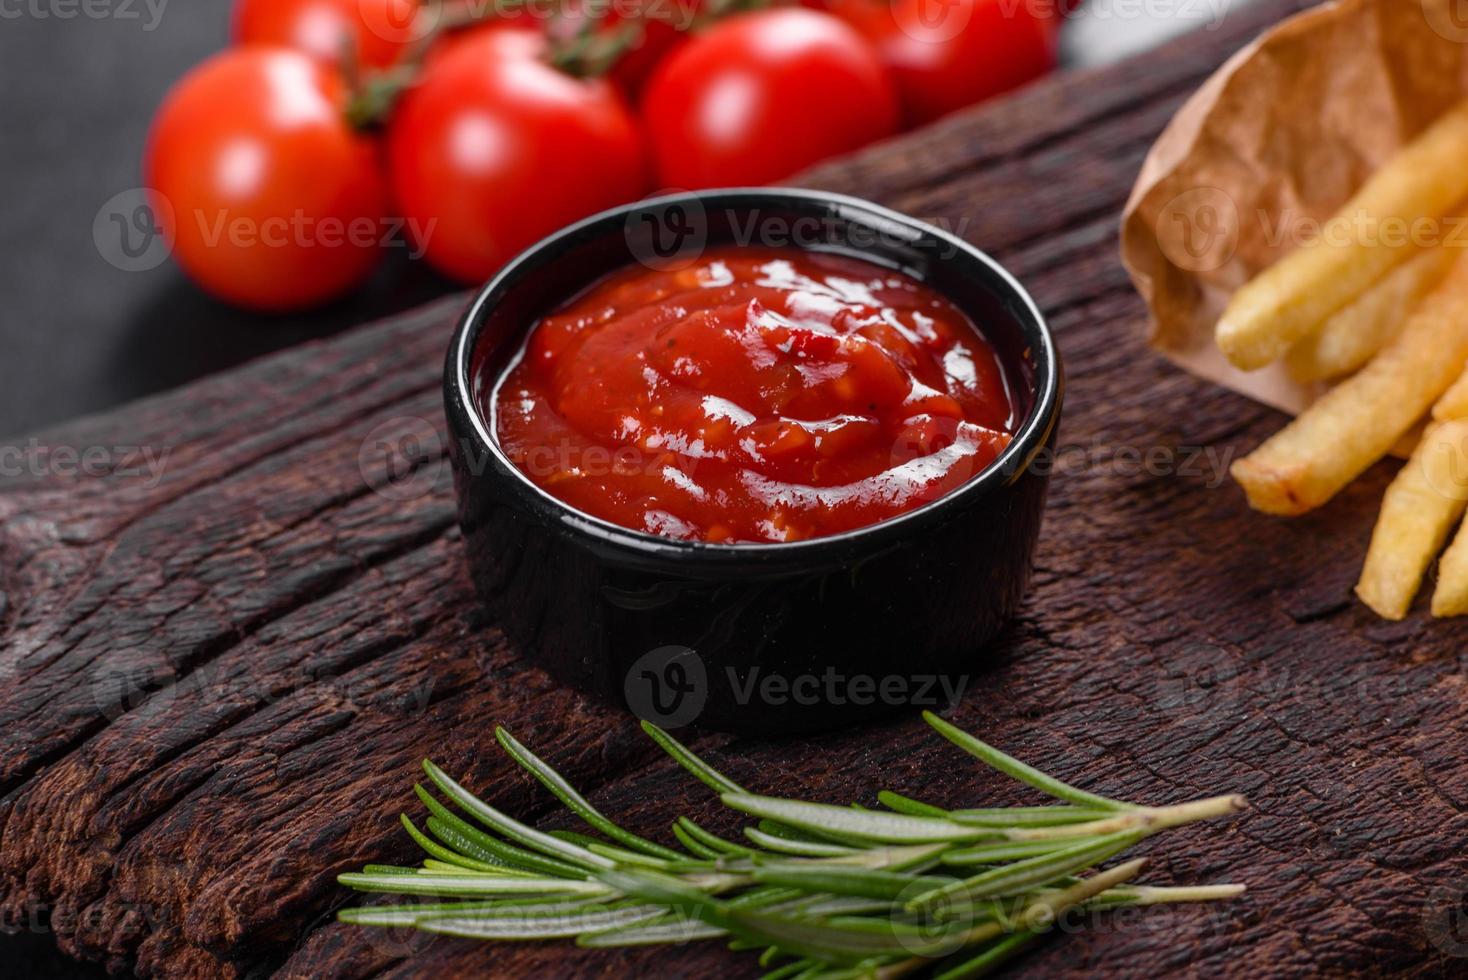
pixel 823 892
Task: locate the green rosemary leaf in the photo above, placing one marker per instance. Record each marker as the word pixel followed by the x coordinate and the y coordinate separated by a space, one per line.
pixel 841 941
pixel 777 829
pixel 535 924
pixel 762 897
pixel 857 882
pixel 443 853
pixel 406 915
pixel 1002 951
pixel 692 844
pixel 788 970
pixel 1022 876
pixel 623 856
pixel 711 841
pixel 821 906
pixel 435 866
pixel 705 773
pixel 1016 769
pixel 388 869
pixel 470 840
pixel 575 802
pixel 906 804
pixel 514 858
pixel 894 858
pixel 576 837
pixel 803 848
pixel 1007 851
pixel 470 885
pixel 1015 817
pixel 897 828
pixel 512 828
pixel 674 930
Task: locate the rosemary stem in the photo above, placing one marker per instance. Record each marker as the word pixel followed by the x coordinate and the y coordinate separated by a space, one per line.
pixel 1159 895
pixel 1043 911
pixel 1147 819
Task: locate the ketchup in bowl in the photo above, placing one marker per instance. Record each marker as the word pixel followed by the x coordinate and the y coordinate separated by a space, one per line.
pixel 755 395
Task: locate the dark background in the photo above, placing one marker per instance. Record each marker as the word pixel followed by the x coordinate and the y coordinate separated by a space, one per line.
pixel 79 335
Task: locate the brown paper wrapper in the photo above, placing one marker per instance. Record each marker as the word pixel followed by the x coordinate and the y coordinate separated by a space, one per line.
pixel 1281 136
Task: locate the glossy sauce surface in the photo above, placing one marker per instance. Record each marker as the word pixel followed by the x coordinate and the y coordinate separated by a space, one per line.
pixel 756 395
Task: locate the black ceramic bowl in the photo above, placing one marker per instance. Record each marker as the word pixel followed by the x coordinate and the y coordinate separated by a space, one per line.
pixel 752 637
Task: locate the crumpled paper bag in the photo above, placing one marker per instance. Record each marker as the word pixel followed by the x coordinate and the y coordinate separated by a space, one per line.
pixel 1281 136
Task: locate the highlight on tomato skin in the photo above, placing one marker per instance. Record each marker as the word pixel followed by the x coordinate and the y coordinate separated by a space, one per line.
pixel 759 96
pixel 277 201
pixel 755 395
pixel 375 33
pixel 495 148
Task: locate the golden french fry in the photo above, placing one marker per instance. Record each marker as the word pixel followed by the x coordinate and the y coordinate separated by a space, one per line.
pixel 1357 423
pixel 1354 334
pixel 1450 598
pixel 1291 298
pixel 1454 402
pixel 1421 506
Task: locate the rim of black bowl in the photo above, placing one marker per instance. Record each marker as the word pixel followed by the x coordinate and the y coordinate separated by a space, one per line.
pixel 1028 439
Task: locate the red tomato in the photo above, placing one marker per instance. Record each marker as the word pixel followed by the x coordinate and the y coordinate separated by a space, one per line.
pixel 277 202
pixel 379 30
pixel 495 149
pixel 759 96
pixel 948 54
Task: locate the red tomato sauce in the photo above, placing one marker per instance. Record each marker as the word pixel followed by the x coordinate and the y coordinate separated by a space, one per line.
pixel 757 395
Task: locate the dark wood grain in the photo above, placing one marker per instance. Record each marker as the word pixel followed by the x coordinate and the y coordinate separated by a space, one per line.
pixel 218 685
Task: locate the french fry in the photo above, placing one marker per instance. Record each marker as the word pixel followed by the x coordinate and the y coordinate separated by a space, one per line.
pixel 1357 423
pixel 1454 402
pixel 1451 596
pixel 1421 506
pixel 1291 298
pixel 1354 334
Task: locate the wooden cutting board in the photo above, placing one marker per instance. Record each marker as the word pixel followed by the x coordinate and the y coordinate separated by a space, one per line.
pixel 217 685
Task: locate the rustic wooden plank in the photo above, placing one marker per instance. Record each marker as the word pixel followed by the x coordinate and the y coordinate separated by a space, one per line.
pixel 219 684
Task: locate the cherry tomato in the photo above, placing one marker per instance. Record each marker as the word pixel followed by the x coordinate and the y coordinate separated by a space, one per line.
pixel 762 95
pixel 276 201
pixel 378 30
pixel 495 149
pixel 948 54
